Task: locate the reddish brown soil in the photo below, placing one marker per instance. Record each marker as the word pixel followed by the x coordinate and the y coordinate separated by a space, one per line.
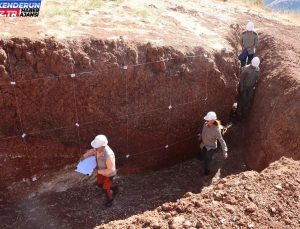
pixel 67 199
pixel 165 199
pixel 246 200
pixel 130 105
pixel 273 125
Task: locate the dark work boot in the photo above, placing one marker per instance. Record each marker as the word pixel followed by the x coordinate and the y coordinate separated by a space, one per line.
pixel 115 191
pixel 108 203
pixel 109 197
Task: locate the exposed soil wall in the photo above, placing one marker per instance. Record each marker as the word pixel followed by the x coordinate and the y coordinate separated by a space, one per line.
pixel 273 126
pixel 149 112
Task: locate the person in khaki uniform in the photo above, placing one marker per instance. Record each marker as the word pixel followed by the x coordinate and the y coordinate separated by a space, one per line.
pixel 248 81
pixel 106 166
pixel 249 41
pixel 211 132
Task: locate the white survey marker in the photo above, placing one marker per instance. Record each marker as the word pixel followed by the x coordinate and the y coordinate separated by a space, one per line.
pixel 87 166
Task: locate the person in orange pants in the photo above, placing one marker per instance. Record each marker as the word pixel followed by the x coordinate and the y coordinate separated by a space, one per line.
pixel 106 167
pixel 107 184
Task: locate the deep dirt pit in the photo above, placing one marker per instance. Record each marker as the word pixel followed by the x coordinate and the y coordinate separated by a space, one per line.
pixel 149 112
pixel 147 100
pixel 59 197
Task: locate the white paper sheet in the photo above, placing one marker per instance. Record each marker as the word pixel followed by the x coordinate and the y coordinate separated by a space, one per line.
pixel 87 166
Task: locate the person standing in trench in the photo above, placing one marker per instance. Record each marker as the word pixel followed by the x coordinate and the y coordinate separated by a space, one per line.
pixel 106 167
pixel 211 132
pixel 249 41
pixel 247 86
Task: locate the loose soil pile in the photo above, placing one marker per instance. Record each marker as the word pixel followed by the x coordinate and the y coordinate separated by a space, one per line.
pixel 247 200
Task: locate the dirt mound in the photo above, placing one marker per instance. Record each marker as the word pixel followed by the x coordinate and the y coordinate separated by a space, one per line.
pixel 248 200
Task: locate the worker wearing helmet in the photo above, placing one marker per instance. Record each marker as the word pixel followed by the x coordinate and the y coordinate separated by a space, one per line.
pixel 106 167
pixel 249 41
pixel 247 85
pixel 211 132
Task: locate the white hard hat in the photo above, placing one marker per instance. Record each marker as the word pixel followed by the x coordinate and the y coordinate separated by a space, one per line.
pixel 99 141
pixel 210 116
pixel 250 26
pixel 255 62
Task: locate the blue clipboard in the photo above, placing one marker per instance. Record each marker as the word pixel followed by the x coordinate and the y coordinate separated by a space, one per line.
pixel 87 166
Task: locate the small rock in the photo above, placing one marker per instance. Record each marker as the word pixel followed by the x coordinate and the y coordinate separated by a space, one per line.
pixel 86 60
pixel 166 207
pixel 251 225
pixel 187 224
pixel 156 225
pixel 174 213
pixel 230 200
pixel 179 219
pixel 223 50
pixel 168 216
pixel 172 226
pixel 278 186
pixel 251 208
pixel 234 219
pixel 218 195
pixel 188 194
pixel 251 197
pixel 222 221
pixel 219 186
pixel 229 208
pixel 199 224
pixel 189 210
pixel 288 221
pixel 197 204
pixel 248 188
pixel 180 208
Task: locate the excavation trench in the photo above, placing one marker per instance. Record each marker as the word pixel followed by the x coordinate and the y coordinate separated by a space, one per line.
pixel 148 101
pixel 56 96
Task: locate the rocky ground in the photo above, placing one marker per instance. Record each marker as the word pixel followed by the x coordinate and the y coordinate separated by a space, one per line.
pixel 177 197
pixel 246 200
pixel 69 200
